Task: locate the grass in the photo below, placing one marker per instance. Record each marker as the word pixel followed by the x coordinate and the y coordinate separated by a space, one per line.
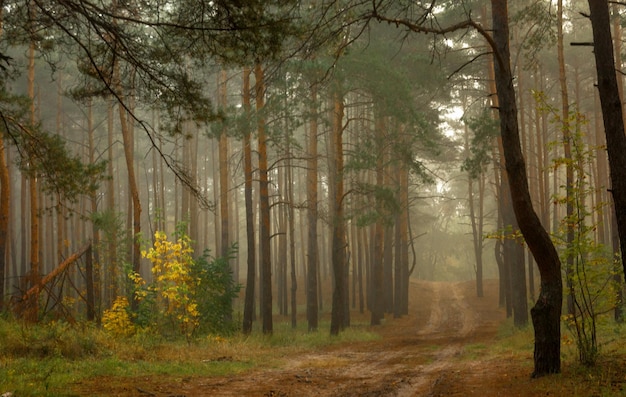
pixel 48 360
pixel 53 359
pixel 513 349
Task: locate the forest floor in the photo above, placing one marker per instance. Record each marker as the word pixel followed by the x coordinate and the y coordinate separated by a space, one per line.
pixel 451 344
pixel 440 349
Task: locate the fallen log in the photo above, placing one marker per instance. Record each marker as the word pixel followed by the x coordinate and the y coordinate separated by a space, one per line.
pixel 36 289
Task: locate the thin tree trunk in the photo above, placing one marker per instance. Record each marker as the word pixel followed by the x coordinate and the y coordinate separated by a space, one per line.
pixel 476 222
pixel 378 303
pixel 338 239
pixel 5 197
pixel 312 245
pixel 264 210
pixel 95 232
pixel 35 270
pixel 110 272
pixel 223 173
pixel 132 181
pixel 291 236
pixel 248 313
pixel 569 166
pixel 617 275
pixel 5 202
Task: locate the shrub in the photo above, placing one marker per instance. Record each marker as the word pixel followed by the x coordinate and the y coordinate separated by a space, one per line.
pixel 215 293
pixel 117 319
pixel 186 295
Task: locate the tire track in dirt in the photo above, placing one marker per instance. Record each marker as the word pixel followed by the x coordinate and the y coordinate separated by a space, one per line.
pixel 451 320
pixel 414 357
pixel 417 355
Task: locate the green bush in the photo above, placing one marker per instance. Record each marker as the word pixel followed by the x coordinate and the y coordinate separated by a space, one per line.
pixel 215 293
pixel 186 296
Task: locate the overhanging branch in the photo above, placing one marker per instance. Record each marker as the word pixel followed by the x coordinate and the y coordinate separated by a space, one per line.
pixel 421 28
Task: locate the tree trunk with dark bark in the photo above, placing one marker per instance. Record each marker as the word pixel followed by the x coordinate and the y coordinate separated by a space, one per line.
pixel 312 253
pixel 611 112
pixel 338 241
pixel 264 208
pixel 248 310
pixel 546 313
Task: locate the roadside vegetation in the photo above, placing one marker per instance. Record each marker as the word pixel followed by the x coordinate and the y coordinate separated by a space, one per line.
pixel 50 359
pixel 53 359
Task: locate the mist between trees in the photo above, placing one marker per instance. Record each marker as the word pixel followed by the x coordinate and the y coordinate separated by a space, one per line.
pixel 325 152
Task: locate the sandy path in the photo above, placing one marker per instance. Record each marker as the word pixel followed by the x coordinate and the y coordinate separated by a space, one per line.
pixel 418 355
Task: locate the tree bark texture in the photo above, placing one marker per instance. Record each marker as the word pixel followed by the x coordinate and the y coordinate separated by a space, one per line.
pixel 611 112
pixel 546 313
pixel 569 166
pixel 338 239
pixel 223 170
pixel 264 206
pixel 248 310
pixel 312 246
pixel 33 194
pixel 5 194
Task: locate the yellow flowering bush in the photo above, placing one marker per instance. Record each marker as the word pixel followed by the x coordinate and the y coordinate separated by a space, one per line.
pixel 174 285
pixel 116 320
pixel 185 296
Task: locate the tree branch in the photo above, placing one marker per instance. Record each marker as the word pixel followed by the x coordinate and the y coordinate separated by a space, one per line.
pixel 420 28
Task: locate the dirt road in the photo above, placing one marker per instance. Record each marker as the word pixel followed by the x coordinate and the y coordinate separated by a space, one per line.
pixel 418 356
pixel 428 353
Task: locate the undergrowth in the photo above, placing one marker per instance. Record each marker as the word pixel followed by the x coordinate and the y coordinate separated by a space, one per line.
pixel 606 378
pixel 51 359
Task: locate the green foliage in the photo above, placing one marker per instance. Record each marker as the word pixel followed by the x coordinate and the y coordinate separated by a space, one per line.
pixel 185 297
pixel 385 205
pixel 589 269
pixel 42 154
pixel 117 320
pixel 115 242
pixel 57 359
pixel 485 128
pixel 53 339
pixel 541 33
pixel 64 175
pixel 215 293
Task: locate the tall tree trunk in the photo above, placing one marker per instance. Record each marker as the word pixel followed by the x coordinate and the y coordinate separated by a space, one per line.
pixel 5 197
pixel 611 104
pixel 248 312
pixel 264 210
pixel 504 299
pixel 312 246
pixel 617 274
pixel 5 201
pixel 401 264
pixel 194 216
pixel 338 239
pixel 94 310
pixel 223 173
pixel 569 166
pixel 378 302
pixel 476 221
pixel 110 272
pixel 388 269
pixel 129 154
pixel 35 270
pixel 546 313
pixel 291 236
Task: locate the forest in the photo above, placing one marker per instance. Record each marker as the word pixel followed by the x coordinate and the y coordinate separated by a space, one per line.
pixel 222 185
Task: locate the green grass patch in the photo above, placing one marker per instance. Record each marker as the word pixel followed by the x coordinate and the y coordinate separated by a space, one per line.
pixel 474 351
pixel 514 348
pixel 48 359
